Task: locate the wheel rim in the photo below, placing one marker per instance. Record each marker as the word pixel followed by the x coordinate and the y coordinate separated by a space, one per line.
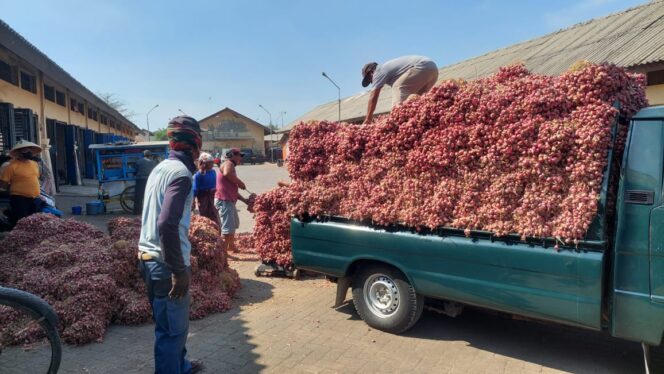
pixel 381 295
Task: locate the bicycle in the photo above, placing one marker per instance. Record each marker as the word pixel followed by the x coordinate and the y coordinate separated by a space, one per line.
pixel 125 199
pixel 30 322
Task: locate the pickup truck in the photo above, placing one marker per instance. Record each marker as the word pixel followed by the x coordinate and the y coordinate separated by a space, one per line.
pixel 251 158
pixel 613 280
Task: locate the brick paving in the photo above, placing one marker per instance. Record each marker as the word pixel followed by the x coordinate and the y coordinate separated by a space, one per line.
pixel 279 325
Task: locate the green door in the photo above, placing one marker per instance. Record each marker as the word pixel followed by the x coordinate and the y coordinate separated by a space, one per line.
pixel 657 254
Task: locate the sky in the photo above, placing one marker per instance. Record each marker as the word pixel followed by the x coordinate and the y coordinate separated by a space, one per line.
pixel 200 56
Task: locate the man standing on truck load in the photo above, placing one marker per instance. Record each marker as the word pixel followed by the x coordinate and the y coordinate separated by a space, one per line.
pixel 227 195
pixel 21 175
pixel 143 168
pixel 407 75
pixel 164 247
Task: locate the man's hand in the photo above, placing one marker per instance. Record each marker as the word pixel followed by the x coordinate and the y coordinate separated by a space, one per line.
pixel 241 185
pixel 180 285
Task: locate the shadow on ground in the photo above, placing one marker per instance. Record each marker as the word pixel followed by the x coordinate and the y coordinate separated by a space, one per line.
pixel 551 345
pixel 221 341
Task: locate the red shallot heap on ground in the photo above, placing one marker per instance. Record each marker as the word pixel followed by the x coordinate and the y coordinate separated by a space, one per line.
pixel 514 152
pixel 92 279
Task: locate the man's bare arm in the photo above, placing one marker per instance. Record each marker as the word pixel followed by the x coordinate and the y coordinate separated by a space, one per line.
pixel 228 171
pixel 373 101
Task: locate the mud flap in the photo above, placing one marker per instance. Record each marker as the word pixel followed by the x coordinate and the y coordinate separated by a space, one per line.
pixel 342 289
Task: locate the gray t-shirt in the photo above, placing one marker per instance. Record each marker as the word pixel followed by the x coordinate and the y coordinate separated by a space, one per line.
pixel 143 168
pixel 390 71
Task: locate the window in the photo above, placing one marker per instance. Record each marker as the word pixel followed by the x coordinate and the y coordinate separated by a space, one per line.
pixel 8 73
pixel 60 98
pixel 655 77
pixel 104 119
pixel 49 93
pixel 28 82
pixel 72 104
pixel 92 114
pixel 81 108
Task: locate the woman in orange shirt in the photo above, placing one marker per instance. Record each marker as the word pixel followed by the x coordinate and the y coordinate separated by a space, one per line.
pixel 22 177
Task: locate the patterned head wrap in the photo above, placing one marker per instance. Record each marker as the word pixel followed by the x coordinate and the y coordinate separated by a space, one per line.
pixel 184 134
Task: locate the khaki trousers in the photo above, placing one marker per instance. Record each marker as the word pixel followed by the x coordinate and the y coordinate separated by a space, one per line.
pixel 417 80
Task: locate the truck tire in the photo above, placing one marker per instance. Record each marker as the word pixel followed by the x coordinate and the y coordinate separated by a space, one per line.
pixel 385 300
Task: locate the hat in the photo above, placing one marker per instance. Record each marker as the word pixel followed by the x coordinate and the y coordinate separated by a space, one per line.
pixel 22 144
pixel 232 152
pixel 205 157
pixel 184 133
pixel 366 70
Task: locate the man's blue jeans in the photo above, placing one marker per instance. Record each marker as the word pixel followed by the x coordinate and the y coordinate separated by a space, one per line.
pixel 171 318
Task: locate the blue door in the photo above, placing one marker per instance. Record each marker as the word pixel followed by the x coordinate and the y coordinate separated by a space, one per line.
pixel 70 140
pixel 88 139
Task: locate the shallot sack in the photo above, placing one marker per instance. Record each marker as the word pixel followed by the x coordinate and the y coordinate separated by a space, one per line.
pixel 511 153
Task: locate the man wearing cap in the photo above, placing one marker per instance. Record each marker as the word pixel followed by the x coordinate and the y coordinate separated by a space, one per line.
pixel 406 75
pixel 143 167
pixel 164 247
pixel 22 178
pixel 227 195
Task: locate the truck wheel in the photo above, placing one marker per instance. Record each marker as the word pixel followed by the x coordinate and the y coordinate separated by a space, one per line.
pixel 385 300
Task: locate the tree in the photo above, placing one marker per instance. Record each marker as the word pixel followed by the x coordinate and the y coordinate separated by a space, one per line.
pixel 159 135
pixel 118 104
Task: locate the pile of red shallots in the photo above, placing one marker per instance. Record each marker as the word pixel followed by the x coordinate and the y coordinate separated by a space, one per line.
pixel 91 279
pixel 511 153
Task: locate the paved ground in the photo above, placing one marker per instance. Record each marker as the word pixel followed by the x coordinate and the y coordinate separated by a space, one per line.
pixel 258 178
pixel 280 325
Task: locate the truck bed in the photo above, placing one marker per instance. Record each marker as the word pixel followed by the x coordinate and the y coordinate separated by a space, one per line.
pixel 528 278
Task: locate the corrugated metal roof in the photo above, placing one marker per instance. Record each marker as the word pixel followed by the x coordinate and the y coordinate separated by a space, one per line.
pixel 630 38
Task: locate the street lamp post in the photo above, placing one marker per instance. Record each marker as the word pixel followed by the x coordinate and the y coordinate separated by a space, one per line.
pixel 282 114
pixel 271 132
pixel 338 92
pixel 147 119
pixel 180 110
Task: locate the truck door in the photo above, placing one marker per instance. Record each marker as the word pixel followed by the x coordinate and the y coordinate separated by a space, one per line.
pixel 645 192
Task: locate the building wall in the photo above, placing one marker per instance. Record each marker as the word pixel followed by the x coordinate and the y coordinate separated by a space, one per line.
pixel 235 131
pixel 78 119
pixel 49 108
pixel 655 94
pixel 219 145
pixel 13 93
pixel 54 111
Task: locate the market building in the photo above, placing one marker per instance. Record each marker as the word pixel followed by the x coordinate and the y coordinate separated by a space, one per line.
pixel 42 103
pixel 633 38
pixel 230 129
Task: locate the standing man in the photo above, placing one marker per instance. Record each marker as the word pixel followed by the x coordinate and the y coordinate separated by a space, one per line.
pixel 164 247
pixel 143 167
pixel 407 75
pixel 227 195
pixel 21 175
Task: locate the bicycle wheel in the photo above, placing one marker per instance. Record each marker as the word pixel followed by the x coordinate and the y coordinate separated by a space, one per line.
pixel 29 340
pixel 127 199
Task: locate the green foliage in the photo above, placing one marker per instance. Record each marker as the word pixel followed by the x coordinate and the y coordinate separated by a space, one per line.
pixel 159 135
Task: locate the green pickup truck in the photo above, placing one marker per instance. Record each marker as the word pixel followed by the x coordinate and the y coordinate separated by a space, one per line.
pixel 613 280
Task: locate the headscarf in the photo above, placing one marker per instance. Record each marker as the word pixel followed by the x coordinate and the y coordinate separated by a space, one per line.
pixel 184 134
